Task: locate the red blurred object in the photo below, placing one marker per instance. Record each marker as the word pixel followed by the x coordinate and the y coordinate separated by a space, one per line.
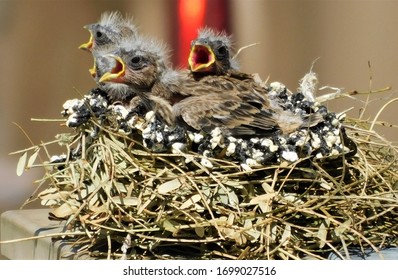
pixel 191 16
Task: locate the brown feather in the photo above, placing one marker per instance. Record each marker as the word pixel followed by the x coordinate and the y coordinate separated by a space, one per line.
pixel 236 103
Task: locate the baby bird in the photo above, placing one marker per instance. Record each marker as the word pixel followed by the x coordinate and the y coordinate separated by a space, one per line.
pixel 211 53
pixel 105 38
pixel 213 65
pixel 116 93
pixel 143 66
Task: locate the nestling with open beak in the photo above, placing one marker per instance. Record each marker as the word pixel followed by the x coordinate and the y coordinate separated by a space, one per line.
pixel 105 39
pixel 211 53
pixel 226 97
pixel 143 65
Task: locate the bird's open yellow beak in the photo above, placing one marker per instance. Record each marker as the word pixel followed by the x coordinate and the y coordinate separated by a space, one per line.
pixel 201 58
pixel 92 70
pixel 117 73
pixel 89 45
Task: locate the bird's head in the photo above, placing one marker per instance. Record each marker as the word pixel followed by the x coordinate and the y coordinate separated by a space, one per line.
pixel 109 31
pixel 99 36
pixel 210 52
pixel 139 64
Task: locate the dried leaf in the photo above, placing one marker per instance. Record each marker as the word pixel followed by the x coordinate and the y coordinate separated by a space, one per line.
pixel 248 224
pixel 252 234
pixel 324 184
pixel 223 196
pixel 99 209
pixel 322 233
pixel 200 231
pixel 169 186
pixel 65 210
pixel 49 202
pixel 267 188
pixel 273 231
pixel 291 198
pixel 87 190
pixel 222 220
pixel 342 228
pixel 32 158
pixel 240 238
pixel 234 184
pixel 171 226
pixel 233 199
pixel 262 198
pixel 53 193
pixel 21 164
pixel 286 236
pixel 265 207
pixel 231 219
pixel 127 201
pixel 191 201
pixel 143 206
pixel 122 188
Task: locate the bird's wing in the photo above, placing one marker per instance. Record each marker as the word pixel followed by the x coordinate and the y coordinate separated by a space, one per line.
pixel 229 111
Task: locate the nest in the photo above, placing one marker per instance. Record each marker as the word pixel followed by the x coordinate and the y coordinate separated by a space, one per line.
pixel 125 197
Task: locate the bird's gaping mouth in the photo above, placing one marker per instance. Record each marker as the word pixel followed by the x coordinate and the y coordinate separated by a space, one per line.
pixel 201 58
pixel 93 71
pixel 89 45
pixel 117 73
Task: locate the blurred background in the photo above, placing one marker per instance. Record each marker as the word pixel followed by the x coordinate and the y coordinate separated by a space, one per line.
pixel 41 66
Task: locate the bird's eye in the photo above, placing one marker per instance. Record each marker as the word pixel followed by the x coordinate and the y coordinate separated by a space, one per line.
pixel 98 34
pixel 136 62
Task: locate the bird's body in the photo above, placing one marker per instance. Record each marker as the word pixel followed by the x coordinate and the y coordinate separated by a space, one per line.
pixel 240 107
